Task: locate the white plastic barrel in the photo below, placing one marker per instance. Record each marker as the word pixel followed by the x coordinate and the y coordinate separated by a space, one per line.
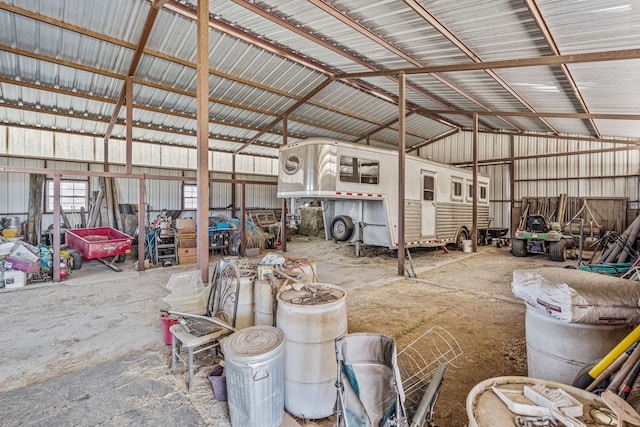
pixel 558 350
pixel 244 316
pixel 467 246
pixel 264 296
pixel 311 319
pixel 254 363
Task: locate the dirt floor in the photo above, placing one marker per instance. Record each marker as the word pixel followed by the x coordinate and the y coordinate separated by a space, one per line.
pixel 98 316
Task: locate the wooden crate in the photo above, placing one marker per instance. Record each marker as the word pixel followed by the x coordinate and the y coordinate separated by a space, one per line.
pixel 187 251
pixel 187 259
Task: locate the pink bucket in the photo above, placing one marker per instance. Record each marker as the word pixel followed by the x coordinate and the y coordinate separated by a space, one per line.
pixel 167 322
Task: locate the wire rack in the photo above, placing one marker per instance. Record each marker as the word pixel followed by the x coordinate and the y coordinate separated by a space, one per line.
pixel 418 361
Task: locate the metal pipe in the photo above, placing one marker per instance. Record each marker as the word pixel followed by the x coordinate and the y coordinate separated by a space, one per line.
pixel 401 174
pixel 56 227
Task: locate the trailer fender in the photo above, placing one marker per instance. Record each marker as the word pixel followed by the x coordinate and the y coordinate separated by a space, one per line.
pixel 341 228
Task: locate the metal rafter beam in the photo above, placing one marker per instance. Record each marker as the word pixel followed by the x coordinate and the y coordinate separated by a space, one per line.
pixel 184 132
pixel 291 109
pixel 331 10
pixel 585 116
pixel 576 58
pixel 536 14
pixel 427 16
pixel 328 9
pixel 146 30
pixel 41 57
pixel 159 55
pixel 433 140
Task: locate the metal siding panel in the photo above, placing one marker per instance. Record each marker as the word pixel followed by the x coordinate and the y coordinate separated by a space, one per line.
pixel 222 161
pixel 14 187
pixel 28 142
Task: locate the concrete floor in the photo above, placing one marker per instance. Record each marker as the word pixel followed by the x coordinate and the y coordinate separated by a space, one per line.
pixel 90 351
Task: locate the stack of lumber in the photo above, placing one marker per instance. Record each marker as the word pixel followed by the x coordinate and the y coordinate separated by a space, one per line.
pixel 186 240
pixel 622 249
pixel 104 210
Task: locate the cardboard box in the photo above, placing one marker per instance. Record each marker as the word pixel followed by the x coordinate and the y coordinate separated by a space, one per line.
pixel 22 265
pixel 187 259
pixel 185 223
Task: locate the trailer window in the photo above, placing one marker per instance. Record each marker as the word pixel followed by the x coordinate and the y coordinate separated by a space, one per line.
pixel 428 187
pixel 483 192
pixel 360 171
pixel 470 191
pixel 456 189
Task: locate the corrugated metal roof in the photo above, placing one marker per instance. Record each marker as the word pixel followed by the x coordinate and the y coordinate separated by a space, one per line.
pixel 60 55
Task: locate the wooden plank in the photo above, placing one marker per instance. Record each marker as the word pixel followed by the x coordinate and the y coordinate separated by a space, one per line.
pixel 65 218
pixel 116 205
pixel 83 217
pixel 109 193
pixel 95 210
pixel 104 219
pixel 34 216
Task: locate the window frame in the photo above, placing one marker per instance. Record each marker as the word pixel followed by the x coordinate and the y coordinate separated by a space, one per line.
pixel 48 195
pixel 185 187
pixel 357 165
pixel 455 182
pixel 431 191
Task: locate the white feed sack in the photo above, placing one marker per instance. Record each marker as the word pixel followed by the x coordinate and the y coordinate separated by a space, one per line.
pixel 578 296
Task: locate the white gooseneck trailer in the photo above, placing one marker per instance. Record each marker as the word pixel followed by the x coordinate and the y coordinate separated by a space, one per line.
pixel 357 186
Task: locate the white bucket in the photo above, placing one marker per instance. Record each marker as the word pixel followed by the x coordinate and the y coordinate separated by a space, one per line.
pixel 264 295
pixel 558 350
pixel 311 325
pixel 254 364
pixel 244 314
pixel 14 279
pixel 467 246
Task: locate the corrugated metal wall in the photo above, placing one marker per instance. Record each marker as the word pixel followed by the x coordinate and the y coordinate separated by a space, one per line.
pixel 543 169
pixel 86 153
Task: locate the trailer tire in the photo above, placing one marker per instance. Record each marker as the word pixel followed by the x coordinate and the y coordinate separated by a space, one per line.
pixel 76 258
pixel 558 251
pixel 519 247
pixel 460 238
pixel 341 228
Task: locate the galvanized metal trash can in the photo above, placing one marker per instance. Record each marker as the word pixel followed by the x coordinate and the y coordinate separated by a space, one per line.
pixel 254 361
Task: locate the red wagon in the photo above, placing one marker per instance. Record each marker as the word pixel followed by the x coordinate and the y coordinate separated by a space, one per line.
pixel 100 243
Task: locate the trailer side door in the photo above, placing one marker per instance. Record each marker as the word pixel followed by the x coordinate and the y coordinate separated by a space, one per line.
pixel 428 204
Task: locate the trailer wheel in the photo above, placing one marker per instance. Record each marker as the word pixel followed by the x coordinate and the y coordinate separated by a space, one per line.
pixel 558 251
pixel 519 247
pixel 76 258
pixel 462 235
pixel 341 228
